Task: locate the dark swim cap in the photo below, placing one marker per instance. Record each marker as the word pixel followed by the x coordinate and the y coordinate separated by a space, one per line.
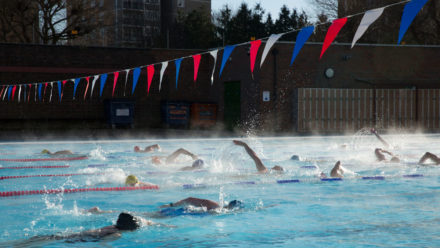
pixel 127 222
pixel 235 204
pixel 295 157
pixel 198 163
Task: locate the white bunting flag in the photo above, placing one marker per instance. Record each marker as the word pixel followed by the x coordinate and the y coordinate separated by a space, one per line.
pixel 19 92
pixel 35 99
pixel 4 95
pixel 51 89
pixel 126 79
pixel 368 19
pixel 162 70
pixel 213 54
pixel 270 42
pixel 93 85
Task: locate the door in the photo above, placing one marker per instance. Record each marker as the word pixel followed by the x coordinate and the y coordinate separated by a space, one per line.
pixel 232 104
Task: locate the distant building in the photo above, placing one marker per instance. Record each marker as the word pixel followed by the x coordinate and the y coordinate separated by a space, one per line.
pixel 136 23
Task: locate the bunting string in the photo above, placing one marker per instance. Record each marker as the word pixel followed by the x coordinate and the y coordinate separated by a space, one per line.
pixel 411 9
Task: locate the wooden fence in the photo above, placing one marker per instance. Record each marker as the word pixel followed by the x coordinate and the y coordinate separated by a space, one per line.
pixel 337 110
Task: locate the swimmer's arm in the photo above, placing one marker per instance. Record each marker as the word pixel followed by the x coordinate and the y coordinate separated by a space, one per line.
pixel 197 202
pixel 152 148
pixel 171 158
pixel 258 163
pixel 151 223
pixel 97 210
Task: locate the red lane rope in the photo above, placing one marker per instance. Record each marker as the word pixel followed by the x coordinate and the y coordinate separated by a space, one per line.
pixel 43 159
pixel 66 191
pixel 36 167
pixel 50 175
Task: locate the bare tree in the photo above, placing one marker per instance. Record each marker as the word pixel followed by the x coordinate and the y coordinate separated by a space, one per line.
pixel 326 7
pixel 51 21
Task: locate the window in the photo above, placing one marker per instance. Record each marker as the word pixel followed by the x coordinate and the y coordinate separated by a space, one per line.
pixel 180 3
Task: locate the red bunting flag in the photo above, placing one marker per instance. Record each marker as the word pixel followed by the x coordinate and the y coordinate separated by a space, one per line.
pixel 62 92
pixel 3 89
pixel 196 58
pixel 115 80
pixel 44 92
pixel 87 87
pixel 255 45
pixel 13 91
pixel 150 74
pixel 332 33
pixel 29 95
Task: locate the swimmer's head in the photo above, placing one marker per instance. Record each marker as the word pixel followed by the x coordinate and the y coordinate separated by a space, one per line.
pixel 235 204
pixel 295 157
pixel 198 164
pixel 277 168
pixel 127 222
pixel 156 160
pixel 136 148
pixel 395 159
pixel 131 180
pixel 45 151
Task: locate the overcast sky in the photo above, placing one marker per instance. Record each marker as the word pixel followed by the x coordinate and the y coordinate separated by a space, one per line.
pixel 272 6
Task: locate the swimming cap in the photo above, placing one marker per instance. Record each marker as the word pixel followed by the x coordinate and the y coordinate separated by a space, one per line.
pixel 198 163
pixel 127 222
pixel 45 151
pixel 235 204
pixel 295 157
pixel 136 148
pixel 131 180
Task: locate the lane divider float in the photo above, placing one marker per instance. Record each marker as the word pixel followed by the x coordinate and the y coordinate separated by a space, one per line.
pixel 43 159
pixel 50 175
pixel 67 191
pixel 37 167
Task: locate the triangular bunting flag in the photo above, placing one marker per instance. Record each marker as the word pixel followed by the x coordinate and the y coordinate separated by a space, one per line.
pixel 59 90
pixel 368 19
pixel 214 55
pixel 44 92
pixel 150 74
pixel 269 44
pixel 29 95
pixel 136 74
pixel 93 84
pixel 409 13
pixel 9 92
pixel 226 53
pixel 13 91
pixel 19 92
pixel 255 45
pixel 39 91
pixel 103 80
pixel 75 85
pixel 3 89
pixel 177 62
pixel 196 59
pixel 51 90
pixel 87 87
pixel 301 39
pixel 126 79
pixel 332 33
pixel 35 93
pixel 115 80
pixel 162 70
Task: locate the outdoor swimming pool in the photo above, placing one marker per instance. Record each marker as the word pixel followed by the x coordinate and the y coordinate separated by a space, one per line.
pixel 395 204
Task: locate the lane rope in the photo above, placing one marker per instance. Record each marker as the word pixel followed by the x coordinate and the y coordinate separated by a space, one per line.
pixel 67 191
pixel 36 167
pixel 50 175
pixel 42 159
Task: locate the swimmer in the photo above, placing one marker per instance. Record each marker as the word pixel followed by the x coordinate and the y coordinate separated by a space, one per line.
pixel 196 165
pixel 147 149
pixel 381 157
pixel 430 156
pixel 125 222
pixel 336 172
pixel 133 181
pixel 63 152
pixel 205 203
pixel 258 163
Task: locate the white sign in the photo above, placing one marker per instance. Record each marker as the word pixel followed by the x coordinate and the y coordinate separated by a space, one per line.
pixel 122 112
pixel 266 96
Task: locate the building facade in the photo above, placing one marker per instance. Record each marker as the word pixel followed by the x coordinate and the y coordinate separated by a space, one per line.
pixel 136 23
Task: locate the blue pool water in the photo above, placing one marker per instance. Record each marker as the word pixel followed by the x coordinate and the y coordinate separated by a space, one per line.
pixel 397 207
